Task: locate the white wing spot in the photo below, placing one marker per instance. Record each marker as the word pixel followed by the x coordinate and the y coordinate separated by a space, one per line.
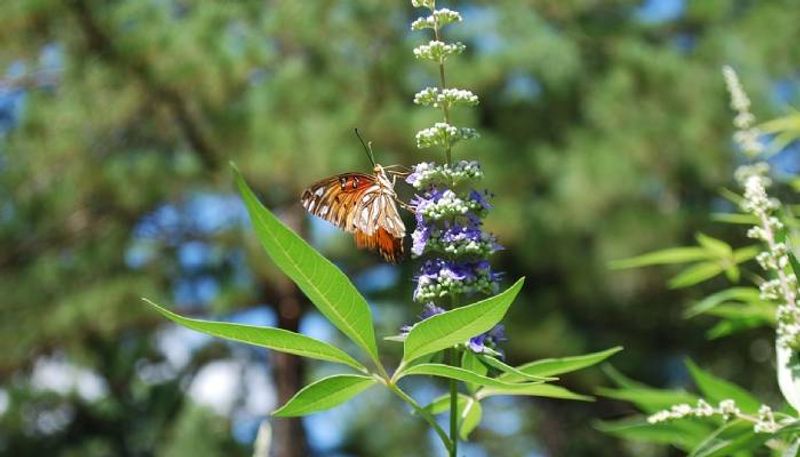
pixel 319 192
pixel 324 210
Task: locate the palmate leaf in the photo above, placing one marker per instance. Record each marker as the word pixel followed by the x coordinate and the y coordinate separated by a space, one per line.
pixel 323 283
pixel 459 374
pixel 470 361
pixel 456 326
pixel 325 394
pixel 269 337
pixel 552 367
pixel 507 369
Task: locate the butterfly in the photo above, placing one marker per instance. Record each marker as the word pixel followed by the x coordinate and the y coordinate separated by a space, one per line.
pixel 362 204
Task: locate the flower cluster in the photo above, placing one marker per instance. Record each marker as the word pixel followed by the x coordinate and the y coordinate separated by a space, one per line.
pixel 444 135
pixel 449 211
pixel 439 18
pixel 440 279
pixel 432 96
pixel 775 258
pixel 747 136
pixel 438 51
pixel 727 410
pixel 427 174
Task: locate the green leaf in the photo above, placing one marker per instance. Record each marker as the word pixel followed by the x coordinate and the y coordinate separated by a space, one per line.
pixel 469 412
pixel 789 375
pixel 620 379
pixel 663 257
pixel 718 247
pixel 648 399
pixel 734 218
pixel 552 367
pixel 683 434
pixel 269 337
pixel 457 373
pixel 715 389
pixel 534 390
pixel 325 394
pixel 743 294
pixel 469 361
pixel 695 274
pixel 324 284
pixel 737 436
pixel 746 253
pixel 457 326
pixel 469 417
pixel 506 369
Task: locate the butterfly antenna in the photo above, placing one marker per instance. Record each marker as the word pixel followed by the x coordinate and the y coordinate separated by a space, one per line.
pixel 367 147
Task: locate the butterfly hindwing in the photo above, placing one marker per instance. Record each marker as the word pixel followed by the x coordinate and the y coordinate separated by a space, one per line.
pixel 361 204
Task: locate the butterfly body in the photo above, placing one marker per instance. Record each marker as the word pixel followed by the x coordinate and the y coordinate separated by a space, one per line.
pixel 361 204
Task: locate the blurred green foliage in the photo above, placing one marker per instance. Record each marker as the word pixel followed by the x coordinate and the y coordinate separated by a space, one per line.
pixel 605 134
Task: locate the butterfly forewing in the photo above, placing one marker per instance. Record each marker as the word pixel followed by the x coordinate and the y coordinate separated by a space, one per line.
pixel 363 205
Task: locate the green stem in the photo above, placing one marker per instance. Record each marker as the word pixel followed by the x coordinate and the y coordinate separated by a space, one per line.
pixel 443 86
pixel 425 415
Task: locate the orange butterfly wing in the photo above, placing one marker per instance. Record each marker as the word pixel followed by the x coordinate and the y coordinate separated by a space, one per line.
pixel 363 205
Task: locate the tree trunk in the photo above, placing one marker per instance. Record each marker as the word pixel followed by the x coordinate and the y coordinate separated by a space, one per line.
pixel 289 439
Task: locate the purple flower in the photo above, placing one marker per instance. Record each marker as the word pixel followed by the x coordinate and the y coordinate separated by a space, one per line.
pixel 487 342
pixel 480 198
pixel 429 310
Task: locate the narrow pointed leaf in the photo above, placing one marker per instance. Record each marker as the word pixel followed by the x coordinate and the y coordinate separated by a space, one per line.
pixel 534 390
pixel 731 438
pixel 552 367
pixel 716 389
pixel 325 394
pixel 276 339
pixel 454 327
pixel 683 434
pixel 470 415
pixel 323 283
pixel 469 361
pixel 459 374
pixel 663 257
pixel 695 274
pixel 509 370
pixel 649 399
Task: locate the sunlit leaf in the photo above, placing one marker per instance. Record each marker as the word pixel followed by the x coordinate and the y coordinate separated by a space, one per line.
pixel 718 247
pixel 269 337
pixel 469 417
pixel 324 284
pixel 507 369
pixel 744 294
pixel 556 366
pixel 325 394
pixel 695 274
pixel 457 373
pixel 457 326
pixel 469 361
pixel 534 390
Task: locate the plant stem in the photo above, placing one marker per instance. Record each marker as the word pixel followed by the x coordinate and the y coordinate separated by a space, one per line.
pixel 425 415
pixel 443 86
